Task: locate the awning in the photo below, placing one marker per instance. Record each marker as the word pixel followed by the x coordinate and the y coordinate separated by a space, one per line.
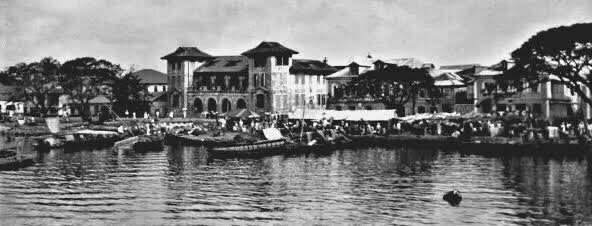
pixel 351 115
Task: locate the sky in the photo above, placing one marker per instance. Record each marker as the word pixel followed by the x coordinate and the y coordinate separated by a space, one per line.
pixel 138 33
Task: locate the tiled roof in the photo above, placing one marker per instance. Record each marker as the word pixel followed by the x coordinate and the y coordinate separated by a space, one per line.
pixel 187 53
pixel 346 73
pixel 224 64
pixel 269 48
pixel 311 67
pixel 448 79
pixel 151 76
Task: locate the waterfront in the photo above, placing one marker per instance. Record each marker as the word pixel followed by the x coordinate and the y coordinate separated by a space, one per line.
pixel 377 185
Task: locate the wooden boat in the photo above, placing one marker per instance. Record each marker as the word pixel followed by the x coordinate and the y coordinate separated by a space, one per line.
pixel 266 147
pixel 141 143
pixel 11 160
pixel 86 139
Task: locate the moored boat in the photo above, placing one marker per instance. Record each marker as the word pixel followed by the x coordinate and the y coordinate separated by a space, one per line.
pixel 11 159
pixel 147 143
pixel 265 147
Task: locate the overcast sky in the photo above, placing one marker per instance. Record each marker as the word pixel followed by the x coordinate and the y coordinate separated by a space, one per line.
pixel 140 32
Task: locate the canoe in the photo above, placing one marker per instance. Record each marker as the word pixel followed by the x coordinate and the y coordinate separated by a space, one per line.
pixel 276 147
pixel 266 147
pixel 11 160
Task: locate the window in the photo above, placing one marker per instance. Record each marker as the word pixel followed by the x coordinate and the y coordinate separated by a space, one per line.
pixel 164 88
pixel 323 99
pixel 260 103
pixel 255 81
pixel 338 108
pixel 179 66
pixel 422 93
pixel 282 60
pixel 354 70
pixel 556 89
pixel 263 79
pixel 318 99
pixel 173 64
pixel 318 79
pixel 303 98
pixel 352 107
pixel 433 109
pixel 368 107
pixel 260 61
pixel 421 109
pixel 155 88
pixel 296 79
pixel 302 79
pixel 296 99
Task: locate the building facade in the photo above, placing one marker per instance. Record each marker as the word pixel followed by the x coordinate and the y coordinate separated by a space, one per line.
pixel 263 79
pixel 548 100
pixel 156 84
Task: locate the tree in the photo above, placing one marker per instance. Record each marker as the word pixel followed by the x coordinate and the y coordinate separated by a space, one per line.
pixel 393 85
pixel 86 78
pixel 563 52
pixel 129 94
pixel 36 80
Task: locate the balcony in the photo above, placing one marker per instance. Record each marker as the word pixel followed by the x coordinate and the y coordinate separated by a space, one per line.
pixel 215 89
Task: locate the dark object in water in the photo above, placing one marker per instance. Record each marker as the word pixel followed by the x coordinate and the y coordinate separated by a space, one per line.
pixel 452 197
pixel 11 160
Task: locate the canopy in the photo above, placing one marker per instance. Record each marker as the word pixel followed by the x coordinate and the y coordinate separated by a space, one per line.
pixel 351 115
pixel 96 132
pixel 272 134
pixel 429 116
pixel 242 113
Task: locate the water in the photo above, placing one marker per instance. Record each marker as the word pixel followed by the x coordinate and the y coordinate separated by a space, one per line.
pixel 364 186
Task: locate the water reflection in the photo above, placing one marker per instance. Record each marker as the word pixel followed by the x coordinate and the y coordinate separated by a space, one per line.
pixel 364 186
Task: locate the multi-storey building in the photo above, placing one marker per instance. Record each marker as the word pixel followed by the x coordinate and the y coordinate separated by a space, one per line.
pixel 156 86
pixel 549 99
pixel 263 79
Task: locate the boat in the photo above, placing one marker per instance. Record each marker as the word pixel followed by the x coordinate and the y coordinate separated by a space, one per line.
pixel 260 148
pixel 85 139
pixel 277 144
pixel 141 143
pixel 205 140
pixel 10 159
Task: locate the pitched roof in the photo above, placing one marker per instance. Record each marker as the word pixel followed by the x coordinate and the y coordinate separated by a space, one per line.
pixel 448 79
pixel 311 67
pixel 409 62
pixel 151 76
pixel 187 53
pixel 458 67
pixel 225 64
pixel 346 72
pixel 268 48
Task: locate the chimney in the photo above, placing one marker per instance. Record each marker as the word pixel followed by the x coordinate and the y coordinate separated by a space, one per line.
pixel 325 60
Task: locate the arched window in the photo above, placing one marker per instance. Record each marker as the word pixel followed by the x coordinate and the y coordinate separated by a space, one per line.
pixel 338 108
pixel 226 105
pixel 368 107
pixel 212 106
pixel 241 104
pixel 197 105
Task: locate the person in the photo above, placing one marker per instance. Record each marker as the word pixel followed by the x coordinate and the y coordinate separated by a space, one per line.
pixel 157 113
pixel 134 115
pixel 439 129
pixel 171 114
pixel 126 113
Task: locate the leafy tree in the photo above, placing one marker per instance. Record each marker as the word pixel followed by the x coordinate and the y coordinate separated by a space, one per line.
pixel 392 85
pixel 86 78
pixel 35 81
pixel 129 94
pixel 564 52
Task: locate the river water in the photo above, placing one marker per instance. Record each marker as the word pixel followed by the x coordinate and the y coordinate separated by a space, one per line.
pixel 181 186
